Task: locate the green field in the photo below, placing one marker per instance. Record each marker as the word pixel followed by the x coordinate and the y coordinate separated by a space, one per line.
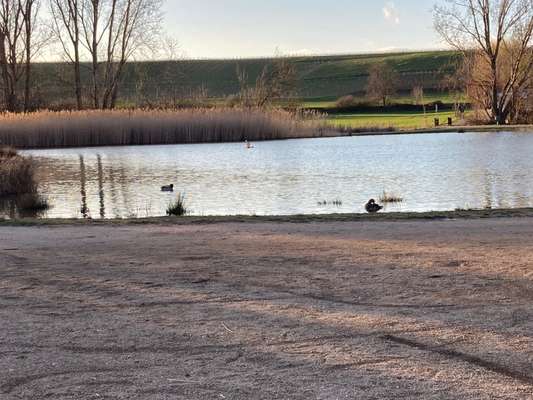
pixel 318 77
pixel 398 120
pixel 403 98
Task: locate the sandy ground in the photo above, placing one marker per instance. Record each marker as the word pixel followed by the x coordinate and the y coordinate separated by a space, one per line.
pixel 345 310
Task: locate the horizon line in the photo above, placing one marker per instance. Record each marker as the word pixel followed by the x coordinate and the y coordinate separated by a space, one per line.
pixel 273 57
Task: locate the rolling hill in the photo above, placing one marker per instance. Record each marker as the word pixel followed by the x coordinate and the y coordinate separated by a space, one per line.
pixel 318 76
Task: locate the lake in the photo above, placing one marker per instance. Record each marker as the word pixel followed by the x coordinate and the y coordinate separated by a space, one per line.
pixel 306 176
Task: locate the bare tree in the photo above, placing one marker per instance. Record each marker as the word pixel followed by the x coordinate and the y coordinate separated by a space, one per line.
pixel 382 83
pixel 19 43
pixel 278 80
pixel 30 11
pixel 418 94
pixel 11 56
pixel 92 35
pixel 495 36
pixel 166 95
pixel 66 22
pixel 132 28
pixel 107 33
pixel 455 79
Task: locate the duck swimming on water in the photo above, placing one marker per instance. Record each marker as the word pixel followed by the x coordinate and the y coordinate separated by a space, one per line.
pixel 373 207
pixel 168 188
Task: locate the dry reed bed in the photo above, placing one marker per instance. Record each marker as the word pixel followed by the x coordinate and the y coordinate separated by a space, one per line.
pixel 47 129
pixel 18 187
pixel 17 173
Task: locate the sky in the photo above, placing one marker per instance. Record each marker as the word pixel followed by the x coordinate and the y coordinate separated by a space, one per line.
pixel 253 28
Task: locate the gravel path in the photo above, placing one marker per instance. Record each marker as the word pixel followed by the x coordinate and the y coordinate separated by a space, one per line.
pixel 352 310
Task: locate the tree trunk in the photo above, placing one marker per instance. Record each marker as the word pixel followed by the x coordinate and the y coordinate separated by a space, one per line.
pixel 27 84
pixel 496 114
pixel 27 72
pixel 9 90
pixel 3 66
pixel 94 51
pixel 77 78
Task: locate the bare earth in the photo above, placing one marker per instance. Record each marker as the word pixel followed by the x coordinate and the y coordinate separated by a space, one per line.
pixel 344 310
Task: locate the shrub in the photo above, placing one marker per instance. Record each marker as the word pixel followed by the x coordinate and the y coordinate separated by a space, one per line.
pixel 17 174
pixel 233 101
pixel 18 187
pixel 345 101
pixel 177 208
pixel 390 198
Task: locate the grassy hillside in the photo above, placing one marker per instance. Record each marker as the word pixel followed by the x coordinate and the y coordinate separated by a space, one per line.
pixel 325 77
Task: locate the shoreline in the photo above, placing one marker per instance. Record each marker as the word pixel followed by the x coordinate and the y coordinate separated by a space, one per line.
pixel 309 218
pixel 446 129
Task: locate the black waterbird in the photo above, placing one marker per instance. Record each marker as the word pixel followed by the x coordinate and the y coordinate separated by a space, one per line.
pixel 373 207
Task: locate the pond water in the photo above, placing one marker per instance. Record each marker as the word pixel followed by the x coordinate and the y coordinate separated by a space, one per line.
pixel 429 171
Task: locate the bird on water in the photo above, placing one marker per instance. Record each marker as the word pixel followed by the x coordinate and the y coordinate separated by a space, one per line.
pixel 168 188
pixel 373 207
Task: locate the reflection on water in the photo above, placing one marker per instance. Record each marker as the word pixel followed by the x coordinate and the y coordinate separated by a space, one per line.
pixel 29 205
pixel 9 207
pixel 83 192
pixel 101 186
pixel 431 172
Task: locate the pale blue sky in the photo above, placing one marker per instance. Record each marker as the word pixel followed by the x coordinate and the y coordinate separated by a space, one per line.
pixel 247 28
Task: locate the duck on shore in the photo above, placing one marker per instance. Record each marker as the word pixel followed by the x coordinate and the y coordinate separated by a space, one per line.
pixel 373 207
pixel 168 188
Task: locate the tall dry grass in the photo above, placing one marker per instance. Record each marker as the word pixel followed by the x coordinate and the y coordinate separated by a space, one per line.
pixel 18 186
pixel 47 129
pixel 17 173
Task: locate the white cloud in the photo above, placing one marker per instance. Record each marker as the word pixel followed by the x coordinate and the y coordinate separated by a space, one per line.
pixel 390 13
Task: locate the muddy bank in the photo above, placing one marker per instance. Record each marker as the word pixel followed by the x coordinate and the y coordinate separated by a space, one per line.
pixel 332 310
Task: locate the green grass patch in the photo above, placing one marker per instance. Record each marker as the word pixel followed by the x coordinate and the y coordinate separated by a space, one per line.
pixel 404 98
pixel 398 120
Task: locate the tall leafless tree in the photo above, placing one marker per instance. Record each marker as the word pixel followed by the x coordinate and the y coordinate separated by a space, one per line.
pixel 20 41
pixel 495 36
pixel 92 36
pixel 278 80
pixel 133 27
pixel 66 22
pixel 107 34
pixel 11 53
pixel 418 94
pixel 117 30
pixel 382 82
pixel 29 12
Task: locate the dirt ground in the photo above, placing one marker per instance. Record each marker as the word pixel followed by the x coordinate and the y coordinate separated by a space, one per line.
pixel 344 310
